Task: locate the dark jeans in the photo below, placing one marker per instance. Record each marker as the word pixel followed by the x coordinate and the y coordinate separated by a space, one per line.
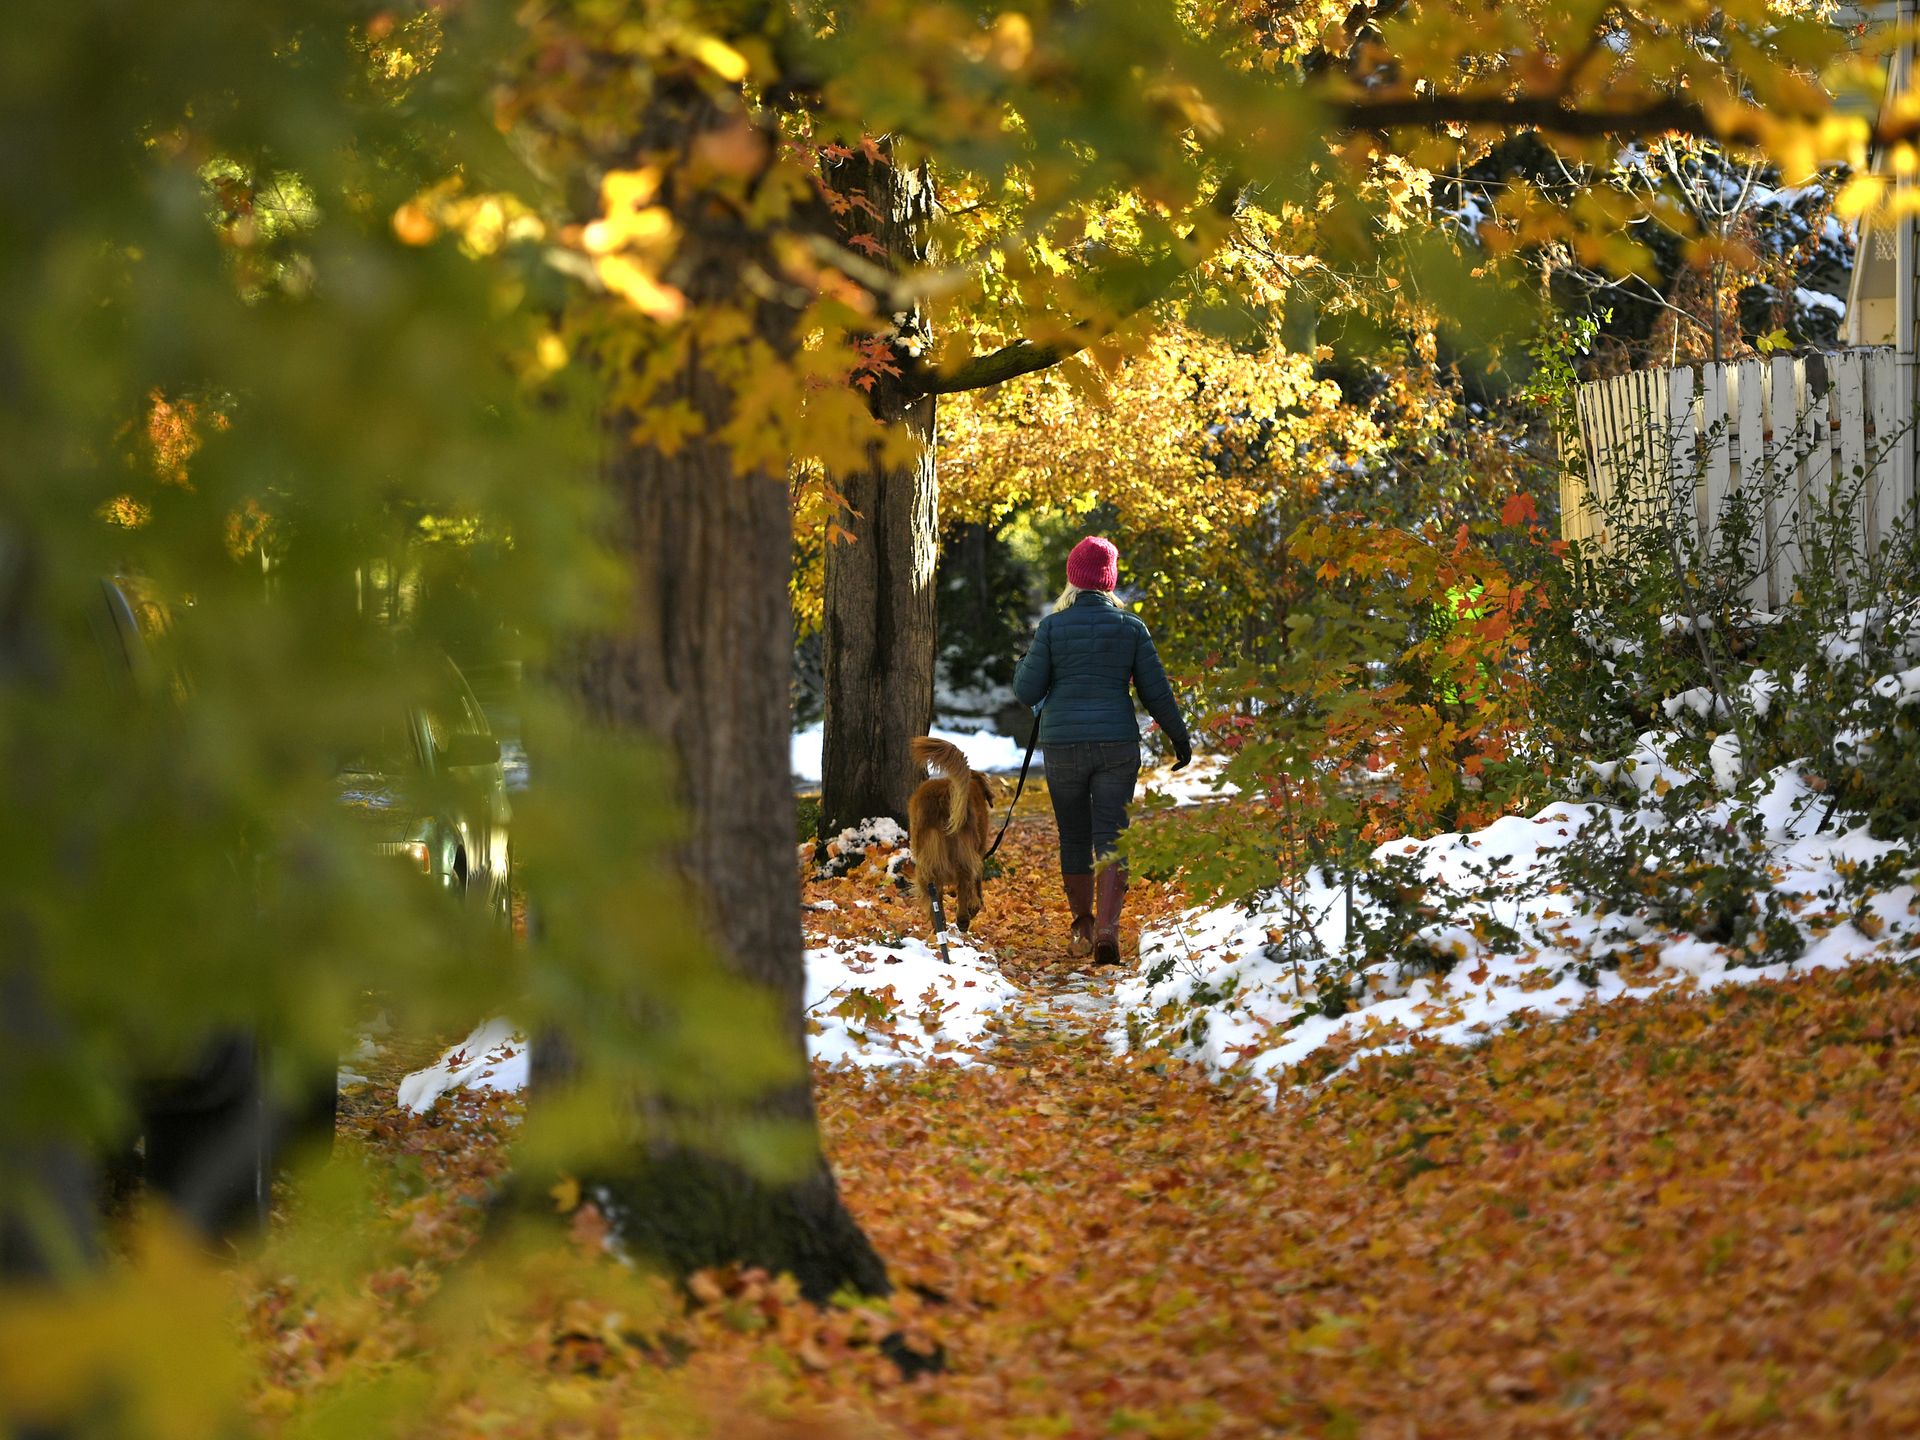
pixel 1092 785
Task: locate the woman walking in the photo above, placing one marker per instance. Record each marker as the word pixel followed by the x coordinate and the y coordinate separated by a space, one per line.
pixel 1085 656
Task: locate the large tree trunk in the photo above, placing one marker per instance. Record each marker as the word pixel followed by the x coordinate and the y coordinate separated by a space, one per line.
pixel 704 665
pixel 880 619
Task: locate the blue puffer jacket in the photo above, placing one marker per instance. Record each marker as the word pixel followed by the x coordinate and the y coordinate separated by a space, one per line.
pixel 1082 661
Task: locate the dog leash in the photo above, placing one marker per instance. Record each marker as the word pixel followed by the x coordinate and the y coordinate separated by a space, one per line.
pixel 1025 765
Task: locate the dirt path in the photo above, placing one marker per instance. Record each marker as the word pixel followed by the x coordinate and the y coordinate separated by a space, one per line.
pixel 1025 926
pixel 1022 929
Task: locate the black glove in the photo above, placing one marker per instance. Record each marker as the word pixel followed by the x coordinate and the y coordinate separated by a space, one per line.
pixel 1182 754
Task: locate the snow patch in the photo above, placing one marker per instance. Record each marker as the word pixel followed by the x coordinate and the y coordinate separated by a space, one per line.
pixel 984 750
pixel 1820 300
pixel 493 1057
pixel 876 1004
pixel 1234 987
pixel 1200 781
pixel 879 830
pixel 1700 701
pixel 1725 758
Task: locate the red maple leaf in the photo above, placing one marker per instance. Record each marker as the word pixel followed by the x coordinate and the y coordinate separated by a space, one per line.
pixel 1519 510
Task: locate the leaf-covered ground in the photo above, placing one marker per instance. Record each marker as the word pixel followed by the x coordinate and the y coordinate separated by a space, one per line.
pixel 1690 1215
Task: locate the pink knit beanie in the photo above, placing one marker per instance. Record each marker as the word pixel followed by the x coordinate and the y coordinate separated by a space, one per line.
pixel 1093 565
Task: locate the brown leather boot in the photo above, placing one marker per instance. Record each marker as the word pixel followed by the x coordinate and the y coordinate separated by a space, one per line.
pixel 1111 885
pixel 1079 890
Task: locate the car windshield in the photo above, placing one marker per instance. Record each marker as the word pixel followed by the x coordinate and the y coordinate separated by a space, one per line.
pixel 453 711
pixel 388 751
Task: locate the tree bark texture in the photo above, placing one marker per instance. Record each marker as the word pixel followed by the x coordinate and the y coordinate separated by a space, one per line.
pixel 881 631
pixel 703 664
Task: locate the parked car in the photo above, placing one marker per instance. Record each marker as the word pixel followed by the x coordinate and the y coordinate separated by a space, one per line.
pixel 432 789
pixel 431 785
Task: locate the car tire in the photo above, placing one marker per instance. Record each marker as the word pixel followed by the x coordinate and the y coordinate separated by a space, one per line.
pixel 215 1145
pixel 209 1143
pixel 503 895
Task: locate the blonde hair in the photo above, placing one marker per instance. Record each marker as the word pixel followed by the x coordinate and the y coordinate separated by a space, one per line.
pixel 1073 592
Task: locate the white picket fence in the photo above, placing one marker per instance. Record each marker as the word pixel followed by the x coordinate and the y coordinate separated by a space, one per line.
pixel 1797 425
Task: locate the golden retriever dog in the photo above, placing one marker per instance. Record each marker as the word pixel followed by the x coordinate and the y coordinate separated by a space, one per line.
pixel 947 823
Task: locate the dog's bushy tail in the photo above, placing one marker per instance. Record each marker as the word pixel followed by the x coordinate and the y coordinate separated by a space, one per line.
pixel 951 761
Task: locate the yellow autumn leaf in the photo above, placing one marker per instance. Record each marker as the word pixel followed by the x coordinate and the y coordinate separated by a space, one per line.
pixel 626 278
pixel 721 58
pixel 1012 40
pixel 629 189
pixel 1858 196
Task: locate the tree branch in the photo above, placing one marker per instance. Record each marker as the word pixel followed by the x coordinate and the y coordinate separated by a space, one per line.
pixel 1152 281
pixel 1009 362
pixel 1540 112
pixel 1022 356
pixel 1594 281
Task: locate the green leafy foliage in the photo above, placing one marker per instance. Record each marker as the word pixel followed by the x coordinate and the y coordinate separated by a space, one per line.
pixel 318 320
pixel 1660 631
pixel 329 457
